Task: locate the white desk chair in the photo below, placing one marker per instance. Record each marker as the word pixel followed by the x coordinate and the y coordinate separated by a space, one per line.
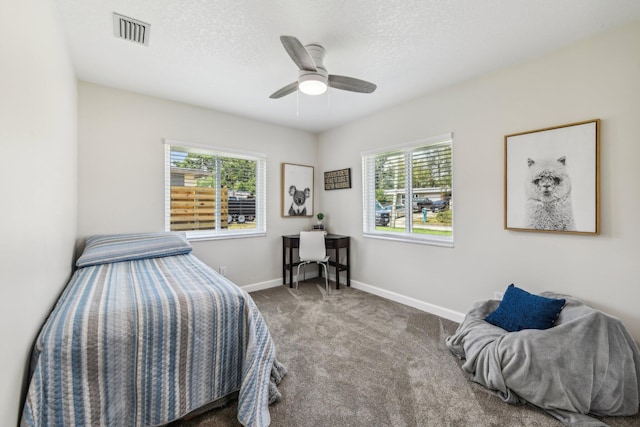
pixel 312 249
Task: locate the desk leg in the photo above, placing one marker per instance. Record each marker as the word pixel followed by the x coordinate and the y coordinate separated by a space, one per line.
pixel 337 267
pixel 348 268
pixel 284 265
pixel 290 267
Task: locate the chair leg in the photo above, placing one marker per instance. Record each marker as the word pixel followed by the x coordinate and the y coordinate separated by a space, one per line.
pixel 298 275
pixel 326 277
pixel 304 272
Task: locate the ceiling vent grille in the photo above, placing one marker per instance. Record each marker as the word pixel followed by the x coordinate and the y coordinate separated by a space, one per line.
pixel 131 29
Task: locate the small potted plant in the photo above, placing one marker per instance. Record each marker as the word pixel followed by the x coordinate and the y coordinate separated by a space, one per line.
pixel 319 225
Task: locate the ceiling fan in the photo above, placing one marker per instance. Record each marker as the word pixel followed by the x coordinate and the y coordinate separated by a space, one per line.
pixel 313 78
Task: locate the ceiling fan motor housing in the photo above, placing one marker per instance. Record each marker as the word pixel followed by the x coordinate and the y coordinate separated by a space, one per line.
pixel 321 73
pixel 314 82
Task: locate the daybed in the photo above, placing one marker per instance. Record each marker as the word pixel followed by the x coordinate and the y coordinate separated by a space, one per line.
pixel 586 364
pixel 146 333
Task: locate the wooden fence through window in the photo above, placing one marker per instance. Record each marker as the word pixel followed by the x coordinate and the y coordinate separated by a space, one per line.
pixel 194 208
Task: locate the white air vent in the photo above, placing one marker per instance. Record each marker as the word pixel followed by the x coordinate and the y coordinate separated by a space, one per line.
pixel 131 29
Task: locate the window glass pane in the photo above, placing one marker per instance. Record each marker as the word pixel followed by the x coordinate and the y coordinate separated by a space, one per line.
pixel 431 176
pixel 238 176
pixel 390 189
pixel 211 193
pixel 193 194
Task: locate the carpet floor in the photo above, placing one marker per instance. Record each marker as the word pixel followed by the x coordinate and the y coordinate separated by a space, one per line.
pixel 355 359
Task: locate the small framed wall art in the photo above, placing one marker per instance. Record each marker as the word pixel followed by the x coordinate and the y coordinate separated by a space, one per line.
pixel 552 179
pixel 338 179
pixel 297 190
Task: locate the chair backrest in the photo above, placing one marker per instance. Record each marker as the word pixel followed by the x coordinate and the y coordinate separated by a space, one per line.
pixel 312 246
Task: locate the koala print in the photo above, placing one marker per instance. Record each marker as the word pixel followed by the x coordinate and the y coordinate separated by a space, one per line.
pixel 300 197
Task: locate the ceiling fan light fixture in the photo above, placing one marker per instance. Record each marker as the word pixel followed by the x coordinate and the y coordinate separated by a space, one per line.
pixel 312 84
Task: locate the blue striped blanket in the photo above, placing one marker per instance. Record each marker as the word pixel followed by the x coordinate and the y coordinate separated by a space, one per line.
pixel 143 342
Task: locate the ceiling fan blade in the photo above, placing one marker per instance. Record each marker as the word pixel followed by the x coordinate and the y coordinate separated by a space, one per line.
pixel 351 84
pixel 298 53
pixel 290 88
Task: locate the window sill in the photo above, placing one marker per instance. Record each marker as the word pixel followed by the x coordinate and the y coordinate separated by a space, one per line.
pixel 432 241
pixel 202 236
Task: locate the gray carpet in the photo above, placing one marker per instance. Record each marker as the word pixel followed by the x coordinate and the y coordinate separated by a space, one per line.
pixel 355 359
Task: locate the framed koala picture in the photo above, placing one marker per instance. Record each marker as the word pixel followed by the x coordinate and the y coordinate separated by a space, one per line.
pixel 297 190
pixel 552 179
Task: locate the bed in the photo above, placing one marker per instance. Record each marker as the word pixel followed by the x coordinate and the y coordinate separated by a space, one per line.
pixel 584 363
pixel 144 334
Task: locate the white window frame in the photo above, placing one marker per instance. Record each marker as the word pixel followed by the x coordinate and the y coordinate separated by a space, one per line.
pixel 261 191
pixel 369 193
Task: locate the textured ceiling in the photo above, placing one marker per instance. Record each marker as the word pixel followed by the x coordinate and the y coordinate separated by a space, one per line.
pixel 226 54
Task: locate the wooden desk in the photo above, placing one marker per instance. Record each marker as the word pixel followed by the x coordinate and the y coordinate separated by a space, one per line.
pixel 333 242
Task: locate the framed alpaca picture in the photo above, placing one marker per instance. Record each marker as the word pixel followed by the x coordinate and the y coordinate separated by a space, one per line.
pixel 297 190
pixel 552 179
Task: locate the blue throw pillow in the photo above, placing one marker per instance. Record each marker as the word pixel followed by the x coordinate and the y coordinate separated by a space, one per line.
pixel 520 310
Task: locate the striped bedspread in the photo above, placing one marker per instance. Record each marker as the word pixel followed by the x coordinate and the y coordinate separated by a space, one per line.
pixel 146 341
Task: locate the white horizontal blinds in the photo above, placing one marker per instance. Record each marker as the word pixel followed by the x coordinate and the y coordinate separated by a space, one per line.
pixel 390 171
pixel 167 187
pixel 261 191
pixel 215 192
pixel 431 167
pixel 391 183
pixel 368 192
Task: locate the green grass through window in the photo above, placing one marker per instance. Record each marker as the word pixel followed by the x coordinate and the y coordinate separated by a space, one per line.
pixel 417 231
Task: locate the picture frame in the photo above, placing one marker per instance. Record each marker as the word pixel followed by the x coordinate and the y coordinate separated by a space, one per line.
pixel 337 179
pixel 552 179
pixel 297 190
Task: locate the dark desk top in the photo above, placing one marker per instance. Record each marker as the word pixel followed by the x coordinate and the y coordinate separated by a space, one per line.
pixel 327 236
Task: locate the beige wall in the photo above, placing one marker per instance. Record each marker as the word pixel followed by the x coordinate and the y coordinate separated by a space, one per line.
pixel 595 79
pixel 38 182
pixel 121 171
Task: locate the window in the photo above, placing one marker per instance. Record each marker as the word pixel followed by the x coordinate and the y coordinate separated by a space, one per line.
pixel 214 193
pixel 407 192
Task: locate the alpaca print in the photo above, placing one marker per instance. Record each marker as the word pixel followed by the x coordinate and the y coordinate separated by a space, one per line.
pixel 548 194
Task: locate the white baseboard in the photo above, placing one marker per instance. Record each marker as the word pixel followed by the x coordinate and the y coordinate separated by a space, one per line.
pixel 446 313
pixel 262 285
pixel 277 282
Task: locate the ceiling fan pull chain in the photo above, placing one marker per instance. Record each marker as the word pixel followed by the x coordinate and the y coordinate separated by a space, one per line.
pixel 297 103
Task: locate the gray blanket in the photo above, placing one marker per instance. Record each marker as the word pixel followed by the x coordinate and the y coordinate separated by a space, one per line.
pixel 586 364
